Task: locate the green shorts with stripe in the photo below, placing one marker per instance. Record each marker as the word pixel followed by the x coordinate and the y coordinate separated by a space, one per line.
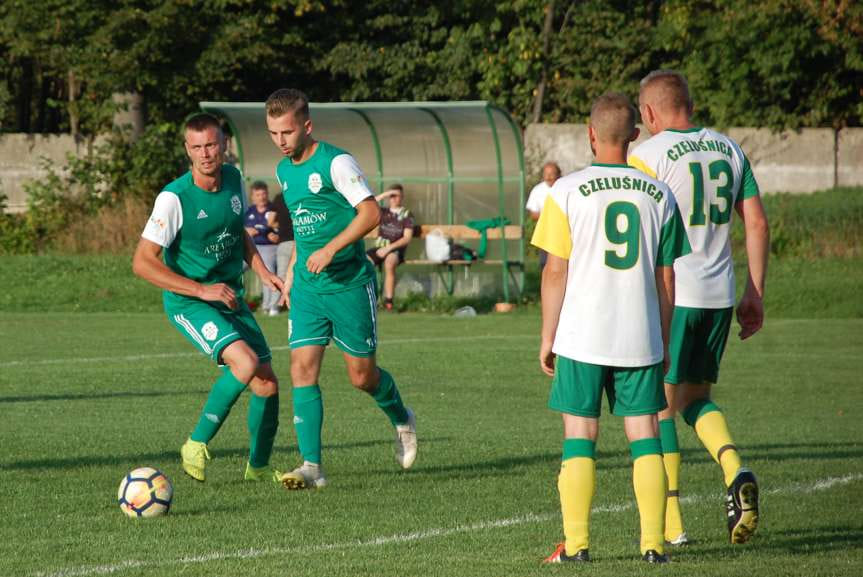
pixel 348 317
pixel 632 391
pixel 210 328
pixel 698 338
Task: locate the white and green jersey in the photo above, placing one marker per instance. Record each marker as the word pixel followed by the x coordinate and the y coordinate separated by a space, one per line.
pixel 202 232
pixel 708 174
pixel 614 225
pixel 321 194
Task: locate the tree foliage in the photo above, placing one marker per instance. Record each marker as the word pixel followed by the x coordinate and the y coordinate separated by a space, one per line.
pixel 776 63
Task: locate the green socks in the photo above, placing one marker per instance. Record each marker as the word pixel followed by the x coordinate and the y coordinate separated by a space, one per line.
pixel 388 399
pixel 223 395
pixel 263 424
pixel 308 421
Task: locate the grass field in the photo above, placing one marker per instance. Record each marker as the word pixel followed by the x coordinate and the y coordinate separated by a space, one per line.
pixel 85 398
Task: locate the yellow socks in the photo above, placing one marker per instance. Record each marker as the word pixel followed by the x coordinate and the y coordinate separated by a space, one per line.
pixel 576 485
pixel 648 480
pixel 711 428
pixel 671 460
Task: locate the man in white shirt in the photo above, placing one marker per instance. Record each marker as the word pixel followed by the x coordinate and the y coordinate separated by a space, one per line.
pixel 537 196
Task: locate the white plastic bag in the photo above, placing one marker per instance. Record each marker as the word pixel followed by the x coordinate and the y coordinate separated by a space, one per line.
pixel 437 246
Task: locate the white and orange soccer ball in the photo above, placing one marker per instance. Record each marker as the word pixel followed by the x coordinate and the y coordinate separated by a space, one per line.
pixel 145 492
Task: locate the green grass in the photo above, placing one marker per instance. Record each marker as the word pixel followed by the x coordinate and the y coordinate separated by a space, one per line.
pixel 828 287
pixel 85 398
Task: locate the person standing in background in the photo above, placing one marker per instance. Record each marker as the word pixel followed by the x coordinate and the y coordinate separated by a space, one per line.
pixel 262 225
pixel 285 230
pixel 537 196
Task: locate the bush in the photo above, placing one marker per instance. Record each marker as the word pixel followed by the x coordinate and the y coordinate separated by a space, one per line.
pixel 828 223
pixel 14 236
pixel 97 202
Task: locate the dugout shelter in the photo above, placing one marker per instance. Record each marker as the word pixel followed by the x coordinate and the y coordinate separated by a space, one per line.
pixel 458 161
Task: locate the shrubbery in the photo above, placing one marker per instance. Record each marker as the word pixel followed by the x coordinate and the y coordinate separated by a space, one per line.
pixel 97 202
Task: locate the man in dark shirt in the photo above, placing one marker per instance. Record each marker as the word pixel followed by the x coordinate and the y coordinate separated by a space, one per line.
pixel 394 233
pixel 285 230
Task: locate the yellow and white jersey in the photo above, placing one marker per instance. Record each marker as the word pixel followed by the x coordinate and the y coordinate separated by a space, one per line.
pixel 708 174
pixel 615 225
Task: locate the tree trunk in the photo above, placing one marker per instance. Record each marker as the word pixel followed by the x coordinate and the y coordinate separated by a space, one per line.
pixel 546 40
pixel 25 95
pixel 74 114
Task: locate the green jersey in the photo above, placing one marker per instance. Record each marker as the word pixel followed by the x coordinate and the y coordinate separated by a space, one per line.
pixel 202 232
pixel 321 194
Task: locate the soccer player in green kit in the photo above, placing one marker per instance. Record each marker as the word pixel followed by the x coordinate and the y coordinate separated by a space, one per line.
pixel 330 285
pixel 197 227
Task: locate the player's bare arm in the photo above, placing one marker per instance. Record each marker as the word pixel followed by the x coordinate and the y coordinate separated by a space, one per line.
pixel 750 310
pixel 395 245
pixel 288 281
pixel 256 263
pixel 368 217
pixel 665 292
pixel 553 288
pixel 384 195
pixel 148 265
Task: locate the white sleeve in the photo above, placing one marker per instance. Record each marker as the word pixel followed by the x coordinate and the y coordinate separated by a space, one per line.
pixel 349 180
pixel 534 202
pixel 165 221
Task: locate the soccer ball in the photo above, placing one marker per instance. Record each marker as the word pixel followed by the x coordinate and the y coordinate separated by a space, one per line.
pixel 145 492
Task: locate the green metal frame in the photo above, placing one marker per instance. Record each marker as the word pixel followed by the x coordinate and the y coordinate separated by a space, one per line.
pixel 377 144
pixel 519 147
pixel 451 179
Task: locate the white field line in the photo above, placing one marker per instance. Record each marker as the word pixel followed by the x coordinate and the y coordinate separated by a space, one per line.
pixel 819 485
pixel 36 362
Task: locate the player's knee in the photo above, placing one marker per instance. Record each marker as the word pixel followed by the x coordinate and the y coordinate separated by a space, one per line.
pixel 303 374
pixel 264 387
pixel 243 366
pixel 265 383
pixel 364 379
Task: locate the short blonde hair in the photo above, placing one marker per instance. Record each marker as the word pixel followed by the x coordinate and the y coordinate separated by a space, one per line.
pixel 669 90
pixel 287 100
pixel 612 116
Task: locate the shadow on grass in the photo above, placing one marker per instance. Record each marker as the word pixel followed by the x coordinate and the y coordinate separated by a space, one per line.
pixel 793 541
pixel 784 452
pixel 163 456
pixel 606 461
pixel 106 395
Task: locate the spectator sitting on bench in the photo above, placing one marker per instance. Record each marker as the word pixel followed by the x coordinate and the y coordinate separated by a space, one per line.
pixel 394 233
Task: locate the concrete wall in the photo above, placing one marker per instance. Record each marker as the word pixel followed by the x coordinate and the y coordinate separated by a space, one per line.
pixel 798 162
pixel 802 161
pixel 20 156
pixel 850 157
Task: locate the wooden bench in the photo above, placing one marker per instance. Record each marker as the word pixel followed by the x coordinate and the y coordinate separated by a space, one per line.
pixel 459 233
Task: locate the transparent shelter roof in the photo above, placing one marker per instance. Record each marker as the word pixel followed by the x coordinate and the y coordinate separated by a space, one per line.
pixel 458 161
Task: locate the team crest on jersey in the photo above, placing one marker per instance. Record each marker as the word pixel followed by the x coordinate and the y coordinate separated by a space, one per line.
pixel 236 205
pixel 315 182
pixel 210 331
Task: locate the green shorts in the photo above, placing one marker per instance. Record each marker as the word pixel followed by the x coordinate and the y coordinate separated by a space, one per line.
pixel 348 317
pixel 698 338
pixel 632 391
pixel 211 329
